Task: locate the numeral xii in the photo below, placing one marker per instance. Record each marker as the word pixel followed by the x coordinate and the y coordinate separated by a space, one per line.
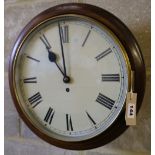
pixel 64 31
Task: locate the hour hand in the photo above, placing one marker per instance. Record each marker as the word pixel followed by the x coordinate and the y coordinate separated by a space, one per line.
pixel 52 57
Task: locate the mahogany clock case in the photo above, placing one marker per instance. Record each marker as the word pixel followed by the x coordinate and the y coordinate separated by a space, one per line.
pixel 133 52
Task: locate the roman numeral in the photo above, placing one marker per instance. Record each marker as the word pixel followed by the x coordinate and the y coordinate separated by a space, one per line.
pixel 111 77
pixel 103 54
pixel 86 37
pixel 90 118
pixel 45 41
pixel 64 31
pixel 106 101
pixel 30 80
pixel 69 122
pixel 35 99
pixel 49 115
pixel 29 57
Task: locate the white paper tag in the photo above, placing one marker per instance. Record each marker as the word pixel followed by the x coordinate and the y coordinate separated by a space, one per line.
pixel 131 101
pixel 130 115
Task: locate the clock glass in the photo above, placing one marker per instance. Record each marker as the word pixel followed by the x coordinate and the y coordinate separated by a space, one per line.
pixel 71 77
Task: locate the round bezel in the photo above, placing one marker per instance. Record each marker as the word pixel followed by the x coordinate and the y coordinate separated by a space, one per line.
pixel 127 41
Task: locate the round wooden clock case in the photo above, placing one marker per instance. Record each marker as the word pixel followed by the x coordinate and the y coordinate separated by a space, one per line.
pixel 127 41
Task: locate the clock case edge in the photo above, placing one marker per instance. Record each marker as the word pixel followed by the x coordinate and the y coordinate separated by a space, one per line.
pixel 133 52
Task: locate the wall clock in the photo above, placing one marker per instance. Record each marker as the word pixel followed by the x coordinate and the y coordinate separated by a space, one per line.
pixel 69 75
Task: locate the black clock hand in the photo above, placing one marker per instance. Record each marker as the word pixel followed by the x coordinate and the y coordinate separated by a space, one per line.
pixel 52 57
pixel 62 50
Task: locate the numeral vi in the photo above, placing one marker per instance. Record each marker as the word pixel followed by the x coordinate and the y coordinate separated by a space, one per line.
pixel 69 122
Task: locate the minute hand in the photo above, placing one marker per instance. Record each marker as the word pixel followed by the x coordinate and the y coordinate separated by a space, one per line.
pixel 62 49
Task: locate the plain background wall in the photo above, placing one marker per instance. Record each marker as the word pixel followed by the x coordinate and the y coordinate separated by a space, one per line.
pixel 19 140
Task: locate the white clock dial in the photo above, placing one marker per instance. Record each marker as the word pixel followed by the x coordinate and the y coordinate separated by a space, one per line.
pixel 91 97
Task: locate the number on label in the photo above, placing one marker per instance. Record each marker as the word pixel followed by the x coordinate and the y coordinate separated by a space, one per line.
pixel 106 101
